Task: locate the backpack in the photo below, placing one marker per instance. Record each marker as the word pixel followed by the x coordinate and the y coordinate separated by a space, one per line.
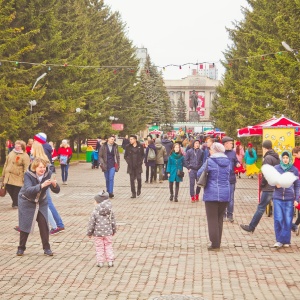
pixel 151 154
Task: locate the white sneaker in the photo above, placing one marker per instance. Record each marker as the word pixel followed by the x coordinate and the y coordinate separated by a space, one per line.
pixel 66 183
pixel 278 245
pixel 110 263
pixel 100 265
pixel 286 245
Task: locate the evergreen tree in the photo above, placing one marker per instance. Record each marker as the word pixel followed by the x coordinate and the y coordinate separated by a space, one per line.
pixel 255 87
pixel 181 109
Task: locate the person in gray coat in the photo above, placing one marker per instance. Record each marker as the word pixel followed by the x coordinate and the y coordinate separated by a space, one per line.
pixel 102 225
pixel 33 204
pixel 160 154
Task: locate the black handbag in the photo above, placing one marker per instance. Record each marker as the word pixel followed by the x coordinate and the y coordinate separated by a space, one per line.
pixel 180 173
pixel 201 182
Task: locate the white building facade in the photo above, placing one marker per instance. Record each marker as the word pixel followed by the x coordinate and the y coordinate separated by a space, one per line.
pixel 198 93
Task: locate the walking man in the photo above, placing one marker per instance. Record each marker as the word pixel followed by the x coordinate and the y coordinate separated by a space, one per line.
pixel 228 144
pixel 270 157
pixel 168 144
pixel 110 163
pixel 193 161
pixel 134 156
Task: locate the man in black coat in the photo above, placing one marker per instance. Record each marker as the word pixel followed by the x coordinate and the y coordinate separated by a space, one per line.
pixel 134 156
pixel 270 157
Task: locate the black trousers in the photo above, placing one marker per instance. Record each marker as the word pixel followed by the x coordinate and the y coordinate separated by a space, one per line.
pixel 44 233
pixel 152 172
pixel 214 214
pixel 13 192
pixel 134 175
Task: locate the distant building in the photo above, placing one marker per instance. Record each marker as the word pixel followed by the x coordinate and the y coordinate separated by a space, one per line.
pixel 141 54
pixel 198 93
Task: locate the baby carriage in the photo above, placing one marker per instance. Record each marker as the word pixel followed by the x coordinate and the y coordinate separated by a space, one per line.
pixel 95 159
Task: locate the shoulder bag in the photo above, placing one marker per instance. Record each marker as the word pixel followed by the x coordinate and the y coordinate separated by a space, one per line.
pixel 203 177
pixel 2 190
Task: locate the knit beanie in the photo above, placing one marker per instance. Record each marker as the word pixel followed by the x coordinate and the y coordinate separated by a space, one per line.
pixel 101 196
pixel 217 147
pixel 41 138
pixel 267 144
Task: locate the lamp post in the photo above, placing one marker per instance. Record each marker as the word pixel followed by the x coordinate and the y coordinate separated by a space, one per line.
pixel 32 103
pixel 38 79
pixel 78 110
pixel 288 48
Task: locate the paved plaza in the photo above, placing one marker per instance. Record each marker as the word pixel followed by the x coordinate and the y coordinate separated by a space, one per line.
pixel 160 248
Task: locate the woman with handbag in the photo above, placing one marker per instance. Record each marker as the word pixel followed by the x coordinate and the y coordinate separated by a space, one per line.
pixel 175 171
pixel 216 192
pixel 16 164
pixel 65 155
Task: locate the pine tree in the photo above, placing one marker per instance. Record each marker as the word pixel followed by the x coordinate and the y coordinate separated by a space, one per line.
pixel 181 109
pixel 255 87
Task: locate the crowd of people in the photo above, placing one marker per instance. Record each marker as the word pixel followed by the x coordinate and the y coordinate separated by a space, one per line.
pixel 29 175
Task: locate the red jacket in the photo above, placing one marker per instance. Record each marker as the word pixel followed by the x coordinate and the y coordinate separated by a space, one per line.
pixel 65 151
pixel 297 164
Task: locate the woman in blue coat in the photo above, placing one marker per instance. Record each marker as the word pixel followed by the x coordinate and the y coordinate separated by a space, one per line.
pixel 216 192
pixel 175 163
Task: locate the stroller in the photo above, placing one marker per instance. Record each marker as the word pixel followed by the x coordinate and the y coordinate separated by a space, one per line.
pixel 95 159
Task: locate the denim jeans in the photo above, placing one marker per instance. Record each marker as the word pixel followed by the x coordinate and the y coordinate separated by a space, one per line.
pixel 230 206
pixel 193 180
pixel 109 177
pixel 265 198
pixel 55 214
pixel 283 217
pixel 64 172
pixel 51 219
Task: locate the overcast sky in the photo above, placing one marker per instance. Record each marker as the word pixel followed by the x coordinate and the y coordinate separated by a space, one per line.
pixel 179 32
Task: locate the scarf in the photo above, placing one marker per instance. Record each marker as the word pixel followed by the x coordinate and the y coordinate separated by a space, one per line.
pixel 18 152
pixel 176 155
pixel 287 166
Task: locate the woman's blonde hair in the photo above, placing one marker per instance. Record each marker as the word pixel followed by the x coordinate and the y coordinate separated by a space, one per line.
pixel 37 161
pixel 38 151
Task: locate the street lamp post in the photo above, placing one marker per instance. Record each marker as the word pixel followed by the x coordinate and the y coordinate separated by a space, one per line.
pixel 38 79
pixel 288 48
pixel 32 103
pixel 78 110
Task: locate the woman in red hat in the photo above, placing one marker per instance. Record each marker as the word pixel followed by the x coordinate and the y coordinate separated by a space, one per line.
pixel 250 160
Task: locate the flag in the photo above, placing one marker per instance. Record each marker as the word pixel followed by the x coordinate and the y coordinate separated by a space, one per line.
pixel 201 66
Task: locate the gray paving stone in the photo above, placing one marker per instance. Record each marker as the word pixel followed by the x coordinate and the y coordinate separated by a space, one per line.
pixel 160 247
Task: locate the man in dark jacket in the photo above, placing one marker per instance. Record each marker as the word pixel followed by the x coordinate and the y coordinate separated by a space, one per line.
pixel 110 163
pixel 134 155
pixel 125 142
pixel 168 144
pixel 228 144
pixel 193 161
pixel 270 157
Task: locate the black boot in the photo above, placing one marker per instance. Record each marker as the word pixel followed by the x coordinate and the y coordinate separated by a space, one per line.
pixel 133 196
pixel 176 193
pixel 171 191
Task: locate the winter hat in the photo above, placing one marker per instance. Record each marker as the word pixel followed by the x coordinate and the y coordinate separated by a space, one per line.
pixel 101 196
pixel 157 141
pixel 41 137
pixel 250 145
pixel 227 139
pixel 217 147
pixel 238 143
pixel 64 142
pixel 267 144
